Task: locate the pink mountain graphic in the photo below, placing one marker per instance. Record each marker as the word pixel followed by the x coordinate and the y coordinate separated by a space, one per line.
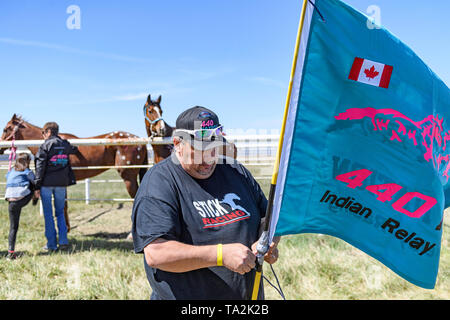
pixel 429 130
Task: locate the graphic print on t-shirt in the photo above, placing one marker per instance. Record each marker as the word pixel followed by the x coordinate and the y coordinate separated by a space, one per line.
pixel 217 213
pixel 59 159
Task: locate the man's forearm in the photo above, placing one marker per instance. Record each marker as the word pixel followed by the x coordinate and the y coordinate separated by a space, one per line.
pixel 174 256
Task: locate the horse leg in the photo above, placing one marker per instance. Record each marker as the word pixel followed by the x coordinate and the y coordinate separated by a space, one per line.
pixel 130 177
pixel 132 187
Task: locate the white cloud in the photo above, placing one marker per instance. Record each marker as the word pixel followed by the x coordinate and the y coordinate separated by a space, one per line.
pixel 58 47
pixel 131 97
pixel 267 81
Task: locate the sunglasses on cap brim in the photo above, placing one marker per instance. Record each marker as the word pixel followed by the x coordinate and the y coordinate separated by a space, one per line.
pixel 203 134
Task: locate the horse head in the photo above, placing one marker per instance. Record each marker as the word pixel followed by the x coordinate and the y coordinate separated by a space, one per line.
pixel 13 130
pixel 154 123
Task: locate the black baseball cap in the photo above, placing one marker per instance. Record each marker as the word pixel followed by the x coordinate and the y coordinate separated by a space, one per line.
pixel 196 118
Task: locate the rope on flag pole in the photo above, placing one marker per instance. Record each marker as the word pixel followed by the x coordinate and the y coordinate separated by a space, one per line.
pixel 263 244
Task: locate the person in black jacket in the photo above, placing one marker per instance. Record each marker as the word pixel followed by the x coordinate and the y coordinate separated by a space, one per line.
pixel 53 175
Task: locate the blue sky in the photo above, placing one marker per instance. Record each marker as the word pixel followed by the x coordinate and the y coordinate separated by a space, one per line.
pixel 233 56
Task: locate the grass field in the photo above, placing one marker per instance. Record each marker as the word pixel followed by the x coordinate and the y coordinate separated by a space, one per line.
pixel 101 263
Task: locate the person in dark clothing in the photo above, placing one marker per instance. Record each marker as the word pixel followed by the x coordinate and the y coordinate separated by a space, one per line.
pixel 53 175
pixel 197 219
pixel 19 183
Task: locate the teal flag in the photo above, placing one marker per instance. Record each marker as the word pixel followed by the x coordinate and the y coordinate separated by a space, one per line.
pixel 365 155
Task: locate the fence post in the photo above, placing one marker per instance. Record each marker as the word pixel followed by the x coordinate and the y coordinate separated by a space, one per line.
pixel 87 183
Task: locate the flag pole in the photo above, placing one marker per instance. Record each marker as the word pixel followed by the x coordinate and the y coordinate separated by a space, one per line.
pixel 263 244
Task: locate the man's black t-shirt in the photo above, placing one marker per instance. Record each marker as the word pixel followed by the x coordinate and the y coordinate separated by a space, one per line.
pixel 225 208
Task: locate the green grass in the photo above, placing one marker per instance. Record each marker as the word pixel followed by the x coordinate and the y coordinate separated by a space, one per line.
pixel 101 263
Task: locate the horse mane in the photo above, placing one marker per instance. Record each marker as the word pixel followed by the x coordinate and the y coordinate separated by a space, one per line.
pixel 20 118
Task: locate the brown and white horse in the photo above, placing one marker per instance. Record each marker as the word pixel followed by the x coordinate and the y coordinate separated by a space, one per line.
pixel 157 127
pixel 19 129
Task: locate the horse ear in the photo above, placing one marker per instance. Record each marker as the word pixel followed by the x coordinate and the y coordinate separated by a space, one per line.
pixel 158 101
pixel 149 99
pixel 14 117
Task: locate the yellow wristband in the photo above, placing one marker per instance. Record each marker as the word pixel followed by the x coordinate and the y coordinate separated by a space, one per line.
pixel 219 255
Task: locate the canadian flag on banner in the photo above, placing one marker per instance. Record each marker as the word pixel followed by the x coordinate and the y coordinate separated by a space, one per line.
pixel 371 72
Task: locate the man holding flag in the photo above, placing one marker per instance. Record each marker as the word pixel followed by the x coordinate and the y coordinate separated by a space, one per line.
pixel 196 217
pixel 363 151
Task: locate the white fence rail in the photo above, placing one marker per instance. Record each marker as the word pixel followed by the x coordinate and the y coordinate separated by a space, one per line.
pixel 268 140
pixel 90 142
pixel 253 150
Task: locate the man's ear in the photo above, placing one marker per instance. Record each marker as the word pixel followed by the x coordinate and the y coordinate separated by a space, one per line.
pixel 178 146
pixel 176 142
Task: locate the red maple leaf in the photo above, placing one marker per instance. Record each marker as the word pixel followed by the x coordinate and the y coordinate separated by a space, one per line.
pixel 371 73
